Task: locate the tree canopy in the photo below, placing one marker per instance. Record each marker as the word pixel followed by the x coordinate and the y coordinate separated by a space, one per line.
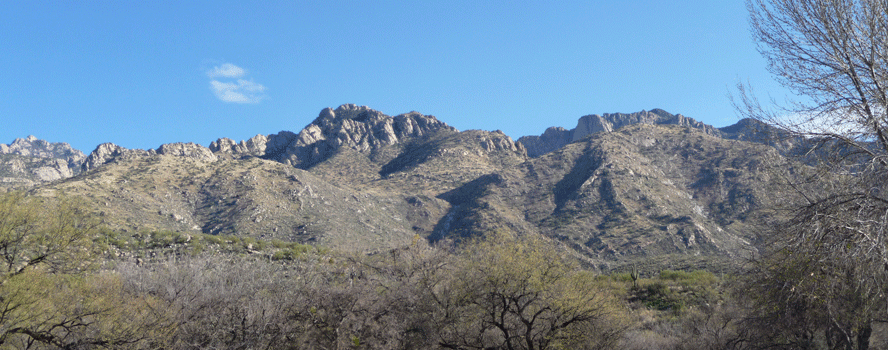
pixel 825 275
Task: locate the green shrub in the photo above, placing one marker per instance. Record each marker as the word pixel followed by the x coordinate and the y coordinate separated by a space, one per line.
pixel 620 277
pixel 277 243
pixel 698 277
pixel 213 239
pixel 659 296
pixel 180 238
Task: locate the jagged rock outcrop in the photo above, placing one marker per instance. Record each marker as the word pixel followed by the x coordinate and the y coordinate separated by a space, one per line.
pixel 254 147
pixel 18 171
pixel 594 123
pixel 499 141
pixel 108 152
pixel 552 139
pixel 34 147
pixel 57 169
pixel 555 138
pixel 187 150
pixel 30 161
pixel 356 127
pixel 752 130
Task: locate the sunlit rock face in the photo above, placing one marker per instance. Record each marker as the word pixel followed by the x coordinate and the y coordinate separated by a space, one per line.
pixel 33 147
pixel 556 137
pixel 350 126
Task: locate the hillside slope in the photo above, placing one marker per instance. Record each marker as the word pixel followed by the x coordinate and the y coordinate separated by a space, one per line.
pixel 641 191
pixel 649 188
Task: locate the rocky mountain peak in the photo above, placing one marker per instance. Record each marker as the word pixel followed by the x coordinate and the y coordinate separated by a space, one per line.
pixel 29 161
pixel 188 150
pixel 254 147
pixel 555 138
pixel 349 112
pixel 609 122
pixel 356 127
pixel 108 152
pixel 31 146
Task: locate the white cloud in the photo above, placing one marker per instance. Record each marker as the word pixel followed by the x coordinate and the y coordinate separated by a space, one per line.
pixel 226 70
pixel 242 91
pixel 228 89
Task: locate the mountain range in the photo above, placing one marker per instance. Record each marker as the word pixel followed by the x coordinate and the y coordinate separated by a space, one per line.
pixel 642 188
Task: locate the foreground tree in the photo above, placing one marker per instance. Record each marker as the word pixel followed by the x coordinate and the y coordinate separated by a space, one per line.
pixel 50 296
pixel 520 293
pixel 824 280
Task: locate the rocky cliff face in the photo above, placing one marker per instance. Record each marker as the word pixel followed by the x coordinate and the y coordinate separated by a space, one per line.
pixel 18 171
pixel 555 138
pixel 254 147
pixel 354 127
pixel 29 161
pixel 108 152
pixel 34 147
pixel 187 150
pixel 369 180
pixel 552 139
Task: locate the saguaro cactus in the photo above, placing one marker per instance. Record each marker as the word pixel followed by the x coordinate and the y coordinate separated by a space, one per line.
pixel 634 275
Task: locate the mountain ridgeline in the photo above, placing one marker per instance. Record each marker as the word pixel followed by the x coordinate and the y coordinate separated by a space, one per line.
pixel 647 187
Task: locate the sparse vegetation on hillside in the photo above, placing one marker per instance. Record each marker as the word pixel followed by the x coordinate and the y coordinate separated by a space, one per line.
pixel 174 290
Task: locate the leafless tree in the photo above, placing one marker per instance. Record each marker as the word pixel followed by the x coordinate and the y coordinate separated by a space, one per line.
pixel 219 302
pixel 825 279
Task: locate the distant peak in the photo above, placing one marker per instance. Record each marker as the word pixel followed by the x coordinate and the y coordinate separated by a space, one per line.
pixel 359 128
pixel 352 107
pixel 31 146
pixel 661 112
pixel 348 112
pixel 553 139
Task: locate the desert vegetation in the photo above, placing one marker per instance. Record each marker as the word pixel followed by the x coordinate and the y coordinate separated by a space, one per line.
pixel 69 284
pixel 816 279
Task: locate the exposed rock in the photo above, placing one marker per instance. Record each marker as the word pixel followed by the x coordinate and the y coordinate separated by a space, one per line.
pixel 188 150
pixel 108 152
pixel 223 145
pixel 31 161
pixel 752 130
pixel 58 169
pixel 34 147
pixel 639 192
pixel 254 147
pixel 19 171
pixel 356 127
pixel 555 138
pixel 498 141
pixel 552 139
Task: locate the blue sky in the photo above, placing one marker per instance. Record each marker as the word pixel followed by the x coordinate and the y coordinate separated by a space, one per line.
pixel 144 73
